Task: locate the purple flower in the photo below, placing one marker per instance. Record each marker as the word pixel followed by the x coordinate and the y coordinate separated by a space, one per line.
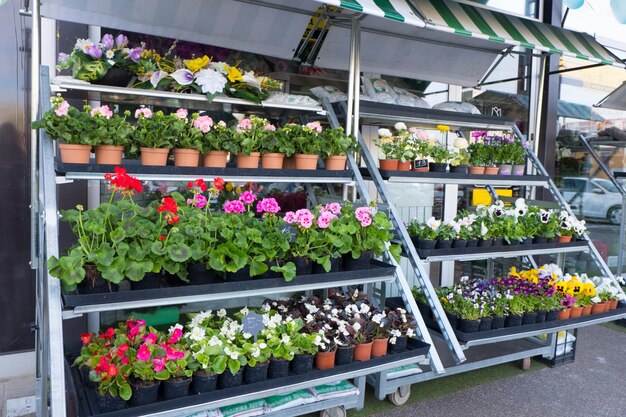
pixel 135 54
pixel 63 57
pixel 94 52
pixel 107 41
pixel 121 41
pixel 526 144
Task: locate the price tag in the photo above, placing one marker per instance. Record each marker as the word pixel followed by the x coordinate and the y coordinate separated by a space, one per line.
pixel 253 324
pixel 420 163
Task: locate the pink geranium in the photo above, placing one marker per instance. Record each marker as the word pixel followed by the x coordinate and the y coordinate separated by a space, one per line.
pixel 63 109
pixel 143 112
pixel 324 219
pixel 248 197
pixel 181 113
pixel 204 123
pixel 269 128
pixel 198 201
pixel 290 217
pixel 102 111
pixel 334 208
pixel 244 124
pixel 315 126
pixel 267 205
pixel 234 206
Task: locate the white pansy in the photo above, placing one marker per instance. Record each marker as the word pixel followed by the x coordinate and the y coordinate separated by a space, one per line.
pixel 433 223
pixel 244 311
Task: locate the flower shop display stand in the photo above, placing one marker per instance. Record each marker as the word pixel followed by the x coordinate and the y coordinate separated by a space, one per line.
pixel 78 304
pixel 194 403
pixel 463 179
pixel 612 176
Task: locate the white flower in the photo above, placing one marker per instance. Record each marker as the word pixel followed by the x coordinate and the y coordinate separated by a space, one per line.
pixel 244 311
pixel 400 126
pixel 197 334
pixel 433 223
pixel 384 133
pixel 109 54
pixel 250 79
pixel 483 229
pixel 215 341
pixel 365 308
pixel 247 335
pixel 211 81
pixel 317 340
pixel 309 318
pixel 356 327
pixel 227 350
pixel 461 143
pixel 377 318
pixel 392 340
pixel 219 66
pixel 156 77
pixel 182 76
pixel 174 327
pixel 266 307
pixel 83 44
pixel 234 355
pixel 410 333
pixel 395 332
pixel 285 339
pixel 311 308
pixel 262 345
pixel 221 313
pixel 327 307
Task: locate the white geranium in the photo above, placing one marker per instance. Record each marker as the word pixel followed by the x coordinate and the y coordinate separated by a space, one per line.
pixel 211 81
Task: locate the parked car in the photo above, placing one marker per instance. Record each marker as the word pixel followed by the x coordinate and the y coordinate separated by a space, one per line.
pixel 596 198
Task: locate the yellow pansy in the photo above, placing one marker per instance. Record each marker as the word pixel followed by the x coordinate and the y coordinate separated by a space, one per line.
pixel 234 74
pixel 229 186
pixel 443 128
pixel 560 286
pixel 574 287
pixel 195 65
pixel 238 190
pixel 589 289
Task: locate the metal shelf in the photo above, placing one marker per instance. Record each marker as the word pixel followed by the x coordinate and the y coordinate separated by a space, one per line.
pixel 171 173
pixel 77 305
pixel 510 252
pixel 171 99
pixel 384 114
pixel 463 179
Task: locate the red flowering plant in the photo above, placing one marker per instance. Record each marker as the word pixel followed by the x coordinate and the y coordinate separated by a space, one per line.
pixel 101 248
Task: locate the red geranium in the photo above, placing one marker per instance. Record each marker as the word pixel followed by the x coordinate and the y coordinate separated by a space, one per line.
pixel 122 182
pixel 168 204
pixel 197 183
pixel 218 183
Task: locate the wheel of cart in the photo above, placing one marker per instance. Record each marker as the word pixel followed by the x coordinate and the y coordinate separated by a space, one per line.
pixel 334 412
pixel 400 396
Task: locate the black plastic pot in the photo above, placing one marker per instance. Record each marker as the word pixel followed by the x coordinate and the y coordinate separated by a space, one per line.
pixel 278 368
pixel 242 275
pixel 443 244
pixel 498 241
pixel 362 262
pixel 335 266
pixel 150 281
pixel 483 243
pixel 512 242
pixel 302 364
pixel 459 243
pixel 171 280
pixel 93 282
pixel 304 265
pixel 343 355
pixel 453 319
pixel 540 239
pixel 472 243
pixel 459 169
pixel 202 382
pixel 269 273
pixel 426 243
pixel 199 274
pixel 497 322
pixel 437 166
pixel 550 239
pixel 144 392
pixel 424 309
pixel 228 380
pixel 399 346
pixel 469 326
pixel 485 324
pixel 552 315
pixel 175 388
pixel 529 318
pixel 513 320
pixel 84 373
pixel 115 76
pixel 107 403
pixel 541 317
pixel 527 241
pixel 255 374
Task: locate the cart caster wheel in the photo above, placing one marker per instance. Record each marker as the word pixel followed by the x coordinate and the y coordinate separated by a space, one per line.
pixel 526 363
pixel 400 396
pixel 334 412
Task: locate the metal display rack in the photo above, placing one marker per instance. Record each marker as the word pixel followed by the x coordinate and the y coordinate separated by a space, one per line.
pixel 398 389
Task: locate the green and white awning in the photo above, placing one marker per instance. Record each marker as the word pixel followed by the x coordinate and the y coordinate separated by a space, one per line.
pixel 463 19
pixel 479 22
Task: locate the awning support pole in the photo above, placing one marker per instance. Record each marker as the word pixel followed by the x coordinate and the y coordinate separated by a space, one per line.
pixel 34 114
pixel 575 69
pixel 503 55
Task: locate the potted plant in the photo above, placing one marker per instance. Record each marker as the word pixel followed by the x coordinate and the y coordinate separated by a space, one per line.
pixel 66 124
pixel 275 147
pixel 460 157
pixel 363 336
pixel 381 334
pixel 446 234
pixel 327 347
pixel 518 157
pixel 566 227
pixel 388 145
pixel 257 355
pixel 401 328
pixel 110 133
pixel 477 150
pixel 345 342
pixel 470 312
pixel 281 337
pixel 308 142
pixel 188 144
pixel 216 144
pixel 440 156
pixel 306 347
pixel 490 153
pixel 336 145
pixel 154 135
pixel 175 363
pixel 516 309
pixel 424 235
pixel 248 135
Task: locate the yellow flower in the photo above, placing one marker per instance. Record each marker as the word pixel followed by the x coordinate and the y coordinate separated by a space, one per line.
pixel 444 300
pixel 560 286
pixel 238 190
pixel 229 186
pixel 589 289
pixel 443 128
pixel 195 65
pixel 574 286
pixel 234 74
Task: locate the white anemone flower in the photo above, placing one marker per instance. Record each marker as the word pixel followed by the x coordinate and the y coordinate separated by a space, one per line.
pixel 211 81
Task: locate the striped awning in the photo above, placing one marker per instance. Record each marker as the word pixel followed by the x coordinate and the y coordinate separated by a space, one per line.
pixel 480 22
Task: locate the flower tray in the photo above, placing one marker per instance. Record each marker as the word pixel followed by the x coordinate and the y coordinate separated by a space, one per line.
pixel 377 271
pixel 503 249
pixel 461 178
pixel 88 403
pixel 134 168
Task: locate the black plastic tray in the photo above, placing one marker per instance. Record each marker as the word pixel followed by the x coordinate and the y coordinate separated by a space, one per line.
pixel 134 167
pixel 376 269
pixel 427 253
pixel 87 396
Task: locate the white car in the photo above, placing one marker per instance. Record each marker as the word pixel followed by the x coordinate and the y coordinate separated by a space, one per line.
pixel 593 198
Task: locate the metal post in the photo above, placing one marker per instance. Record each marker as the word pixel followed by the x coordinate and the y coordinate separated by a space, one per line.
pixel 34 115
pixel 351 80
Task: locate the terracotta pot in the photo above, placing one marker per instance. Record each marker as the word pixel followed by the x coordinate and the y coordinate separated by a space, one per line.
pixel 576 312
pixel 597 308
pixel 388 164
pixel 335 163
pixel 325 360
pixel 379 347
pixel 607 305
pixel 248 161
pixel 491 170
pixel 74 154
pixel 613 304
pixel 306 162
pixel 109 154
pixel 564 314
pixel 215 159
pixel 564 239
pixel 586 310
pixel 404 166
pixel 186 157
pixel 476 170
pixel 363 351
pixel 272 160
pixel 154 156
pixel 423 169
pixel 289 163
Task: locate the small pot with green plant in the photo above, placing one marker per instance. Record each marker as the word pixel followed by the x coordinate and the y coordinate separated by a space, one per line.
pixel 477 157
pixel 188 144
pixel 388 145
pixel 491 157
pixel 154 135
pixel 424 234
pixel 460 157
pixel 446 234
pixel 516 308
pixel 248 136
pixel 275 146
pixel 110 133
pixel 336 145
pixel 440 155
pixel 308 142
pixel 217 142
pixel 470 312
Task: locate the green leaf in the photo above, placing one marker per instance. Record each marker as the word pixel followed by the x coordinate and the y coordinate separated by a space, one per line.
pixel 114 272
pixel 179 252
pixel 104 254
pixel 233 366
pixel 219 364
pixel 135 270
pixel 157 248
pixel 125 391
pixel 395 251
pixel 118 235
pixel 257 268
pixel 162 375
